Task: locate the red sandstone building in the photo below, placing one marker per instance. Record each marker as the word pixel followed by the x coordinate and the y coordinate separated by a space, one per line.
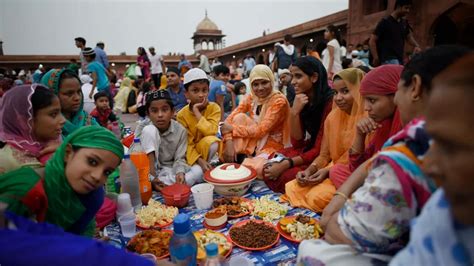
pixel 434 22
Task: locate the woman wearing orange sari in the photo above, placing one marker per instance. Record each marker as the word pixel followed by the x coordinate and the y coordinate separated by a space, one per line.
pixel 260 124
pixel 314 188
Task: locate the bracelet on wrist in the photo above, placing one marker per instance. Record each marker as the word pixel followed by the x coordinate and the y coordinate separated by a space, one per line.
pixel 341 194
pixel 290 160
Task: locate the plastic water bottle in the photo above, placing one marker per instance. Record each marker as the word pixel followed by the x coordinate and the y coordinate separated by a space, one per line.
pixel 140 160
pixel 129 181
pixel 183 244
pixel 212 255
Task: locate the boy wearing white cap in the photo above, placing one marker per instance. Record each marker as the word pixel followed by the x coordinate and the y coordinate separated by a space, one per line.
pixel 200 118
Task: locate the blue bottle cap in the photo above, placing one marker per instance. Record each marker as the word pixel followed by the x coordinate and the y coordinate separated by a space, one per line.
pixel 126 156
pixel 181 224
pixel 136 140
pixel 211 250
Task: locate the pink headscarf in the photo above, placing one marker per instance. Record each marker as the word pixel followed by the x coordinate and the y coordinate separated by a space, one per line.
pixel 16 119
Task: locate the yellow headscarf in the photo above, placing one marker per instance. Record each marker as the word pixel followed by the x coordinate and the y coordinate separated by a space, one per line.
pixel 263 72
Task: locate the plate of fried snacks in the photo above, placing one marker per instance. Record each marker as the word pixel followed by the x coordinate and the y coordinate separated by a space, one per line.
pixel 236 206
pixel 155 215
pixel 299 228
pixel 151 241
pixel 205 237
pixel 254 235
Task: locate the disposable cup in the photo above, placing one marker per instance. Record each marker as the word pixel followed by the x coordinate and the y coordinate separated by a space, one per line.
pixel 124 204
pixel 203 195
pixel 128 225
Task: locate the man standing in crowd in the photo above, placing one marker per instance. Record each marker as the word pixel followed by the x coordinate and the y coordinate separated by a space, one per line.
pixel 100 55
pixel 157 67
pixel 184 65
pixel 100 81
pixel 387 43
pixel 81 44
pixel 204 64
pixel 285 54
pixel 249 63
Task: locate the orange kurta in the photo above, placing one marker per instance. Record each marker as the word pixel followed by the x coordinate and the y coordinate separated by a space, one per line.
pixel 260 125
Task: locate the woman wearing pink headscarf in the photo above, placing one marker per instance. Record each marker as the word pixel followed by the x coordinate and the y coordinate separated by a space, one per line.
pixel 30 126
pixel 378 90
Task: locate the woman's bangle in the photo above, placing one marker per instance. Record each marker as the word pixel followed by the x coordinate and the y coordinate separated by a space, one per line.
pixel 290 160
pixel 341 194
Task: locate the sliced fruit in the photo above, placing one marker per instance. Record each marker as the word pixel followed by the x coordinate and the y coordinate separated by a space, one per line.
pixel 286 220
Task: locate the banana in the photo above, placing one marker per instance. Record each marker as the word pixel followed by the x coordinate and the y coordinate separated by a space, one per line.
pixel 319 229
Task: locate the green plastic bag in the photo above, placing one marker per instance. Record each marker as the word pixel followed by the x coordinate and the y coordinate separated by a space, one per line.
pixel 130 73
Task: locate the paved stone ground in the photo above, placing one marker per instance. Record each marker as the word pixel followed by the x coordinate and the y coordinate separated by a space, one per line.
pixel 129 120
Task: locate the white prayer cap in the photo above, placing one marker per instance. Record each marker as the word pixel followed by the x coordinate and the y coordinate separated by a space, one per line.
pixel 283 71
pixel 194 74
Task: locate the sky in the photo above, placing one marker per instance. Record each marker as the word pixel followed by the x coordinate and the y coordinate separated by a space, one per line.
pixel 36 27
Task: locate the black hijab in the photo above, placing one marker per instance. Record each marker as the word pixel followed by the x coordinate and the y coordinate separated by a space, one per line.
pixel 312 114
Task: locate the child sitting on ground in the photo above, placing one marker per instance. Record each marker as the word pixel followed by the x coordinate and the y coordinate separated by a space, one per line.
pixel 240 90
pixel 102 112
pixel 164 141
pixel 200 118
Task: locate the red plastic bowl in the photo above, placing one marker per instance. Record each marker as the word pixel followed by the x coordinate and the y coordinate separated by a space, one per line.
pixel 176 195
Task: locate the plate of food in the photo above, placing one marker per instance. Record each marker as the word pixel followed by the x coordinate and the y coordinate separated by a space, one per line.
pixel 267 209
pixel 155 215
pixel 254 235
pixel 205 237
pixel 298 228
pixel 236 206
pixel 151 241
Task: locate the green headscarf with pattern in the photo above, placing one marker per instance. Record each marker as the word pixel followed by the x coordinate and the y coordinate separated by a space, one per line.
pixel 52 79
pixel 65 200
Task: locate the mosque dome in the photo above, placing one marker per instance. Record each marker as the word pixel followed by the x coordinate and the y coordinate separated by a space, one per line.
pixel 206 25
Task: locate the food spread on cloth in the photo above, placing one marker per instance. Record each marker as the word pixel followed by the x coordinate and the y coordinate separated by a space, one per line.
pixel 300 227
pixel 268 209
pixel 235 206
pixel 151 241
pixel 155 214
pixel 205 237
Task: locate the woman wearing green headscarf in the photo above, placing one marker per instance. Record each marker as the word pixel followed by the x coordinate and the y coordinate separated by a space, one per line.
pixel 67 86
pixel 68 191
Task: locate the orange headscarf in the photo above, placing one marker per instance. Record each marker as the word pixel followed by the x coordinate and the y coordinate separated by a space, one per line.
pixel 345 124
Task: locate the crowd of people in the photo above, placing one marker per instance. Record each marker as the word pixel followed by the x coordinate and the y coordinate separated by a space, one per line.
pixel 384 153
